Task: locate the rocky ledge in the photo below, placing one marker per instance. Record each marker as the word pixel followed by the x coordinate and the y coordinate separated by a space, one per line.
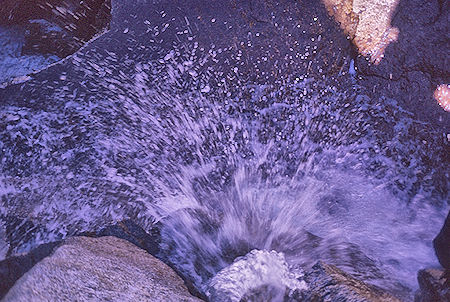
pixel 99 269
pixel 37 33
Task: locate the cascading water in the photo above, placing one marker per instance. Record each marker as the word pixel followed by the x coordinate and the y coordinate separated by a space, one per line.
pixel 298 167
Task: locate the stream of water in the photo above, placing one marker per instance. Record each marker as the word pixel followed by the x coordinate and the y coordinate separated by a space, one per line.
pixel 298 167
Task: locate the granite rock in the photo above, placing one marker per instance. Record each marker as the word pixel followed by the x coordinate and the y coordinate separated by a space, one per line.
pixel 99 269
pixel 434 286
pixel 328 283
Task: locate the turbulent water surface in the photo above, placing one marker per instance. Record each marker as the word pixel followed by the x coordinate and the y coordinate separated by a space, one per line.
pixel 227 165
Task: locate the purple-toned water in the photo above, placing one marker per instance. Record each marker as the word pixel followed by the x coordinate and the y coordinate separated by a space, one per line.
pixel 296 166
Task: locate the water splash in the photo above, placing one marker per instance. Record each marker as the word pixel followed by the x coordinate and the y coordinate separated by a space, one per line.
pixel 265 273
pixel 298 167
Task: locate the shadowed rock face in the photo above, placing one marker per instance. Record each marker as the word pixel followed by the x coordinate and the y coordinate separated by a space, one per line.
pixel 417 63
pixel 442 244
pixel 57 27
pixel 403 45
pixel 105 268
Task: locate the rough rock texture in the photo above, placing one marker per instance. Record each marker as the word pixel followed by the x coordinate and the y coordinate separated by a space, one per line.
pixel 404 47
pixel 442 244
pixel 12 268
pixel 417 63
pixel 343 13
pixel 434 286
pixel 328 283
pixel 255 275
pixel 99 269
pixel 367 22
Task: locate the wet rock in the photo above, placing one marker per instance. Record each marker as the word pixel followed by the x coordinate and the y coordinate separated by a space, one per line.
pixel 402 47
pixel 11 269
pixel 367 22
pixel 417 62
pixel 18 11
pixel 56 27
pixel 256 275
pixel 328 283
pixel 43 37
pixel 442 244
pixel 434 286
pixel 130 231
pixel 106 268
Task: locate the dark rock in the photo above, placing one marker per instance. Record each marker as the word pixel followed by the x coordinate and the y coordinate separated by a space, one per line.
pixel 328 283
pixel 434 286
pixel 57 27
pixel 442 244
pixel 417 63
pixel 18 11
pixel 11 269
pixel 133 233
pixel 42 37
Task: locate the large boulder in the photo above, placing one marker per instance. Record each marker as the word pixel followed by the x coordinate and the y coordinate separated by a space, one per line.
pixel 434 286
pixel 328 283
pixel 99 269
pixel 14 267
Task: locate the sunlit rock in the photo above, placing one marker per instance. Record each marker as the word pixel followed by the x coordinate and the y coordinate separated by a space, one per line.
pixel 442 95
pixel 14 267
pixel 342 11
pixel 99 269
pixel 257 274
pixel 367 22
